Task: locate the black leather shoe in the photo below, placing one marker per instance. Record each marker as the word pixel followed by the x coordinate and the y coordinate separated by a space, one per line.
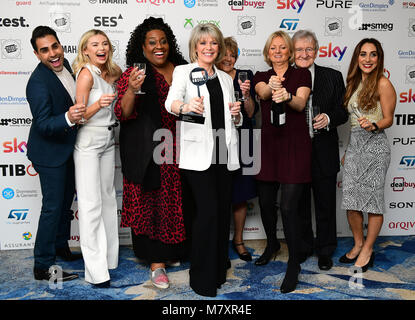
pixel 291 278
pixel 45 274
pixel 269 253
pixel 105 284
pixel 345 259
pixel 367 265
pixel 246 256
pixel 66 254
pixel 325 263
pixel 305 255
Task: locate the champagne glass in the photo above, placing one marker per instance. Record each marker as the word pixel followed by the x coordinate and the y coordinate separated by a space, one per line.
pixel 355 110
pixel 82 120
pixel 243 76
pixel 237 98
pixel 315 111
pixel 140 66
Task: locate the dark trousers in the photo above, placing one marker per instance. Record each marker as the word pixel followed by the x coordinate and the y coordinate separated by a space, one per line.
pixel 324 196
pixel 212 191
pixel 58 189
pixel 291 195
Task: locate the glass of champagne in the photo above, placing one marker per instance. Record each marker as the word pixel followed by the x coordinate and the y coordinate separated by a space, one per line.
pixel 237 98
pixel 140 66
pixel 315 111
pixel 243 76
pixel 82 120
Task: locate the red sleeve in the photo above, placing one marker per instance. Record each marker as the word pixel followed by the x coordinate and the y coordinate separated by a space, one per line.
pixel 303 77
pixel 260 76
pixel 122 87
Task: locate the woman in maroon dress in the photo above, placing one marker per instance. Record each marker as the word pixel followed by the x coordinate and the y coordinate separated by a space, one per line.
pixel 285 151
pixel 152 192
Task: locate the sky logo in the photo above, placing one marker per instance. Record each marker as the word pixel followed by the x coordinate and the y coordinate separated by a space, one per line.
pixel 291 4
pixel 14 146
pixel 332 51
pixel 189 3
pixel 8 193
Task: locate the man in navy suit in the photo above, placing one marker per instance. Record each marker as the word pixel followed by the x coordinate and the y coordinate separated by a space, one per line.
pixel 50 92
pixel 327 92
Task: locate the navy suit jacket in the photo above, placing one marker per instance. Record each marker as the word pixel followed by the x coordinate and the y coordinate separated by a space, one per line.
pixel 328 93
pixel 51 140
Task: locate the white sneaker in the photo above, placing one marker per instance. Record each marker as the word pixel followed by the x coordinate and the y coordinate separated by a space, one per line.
pixel 159 278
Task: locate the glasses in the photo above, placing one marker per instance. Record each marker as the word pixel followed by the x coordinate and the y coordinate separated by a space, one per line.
pixel 306 50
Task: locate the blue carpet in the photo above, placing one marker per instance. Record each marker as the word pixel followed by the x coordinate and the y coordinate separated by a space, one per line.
pixel 391 278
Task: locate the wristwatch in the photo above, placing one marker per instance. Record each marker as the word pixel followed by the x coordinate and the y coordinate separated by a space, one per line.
pixel 290 97
pixel 376 130
pixel 181 109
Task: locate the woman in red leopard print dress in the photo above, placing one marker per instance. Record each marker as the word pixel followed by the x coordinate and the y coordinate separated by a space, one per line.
pixel 152 193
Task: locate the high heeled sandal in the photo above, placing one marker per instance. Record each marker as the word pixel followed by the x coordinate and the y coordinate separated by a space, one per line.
pixel 246 256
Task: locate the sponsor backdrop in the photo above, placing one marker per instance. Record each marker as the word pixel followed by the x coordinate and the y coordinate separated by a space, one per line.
pixel 339 25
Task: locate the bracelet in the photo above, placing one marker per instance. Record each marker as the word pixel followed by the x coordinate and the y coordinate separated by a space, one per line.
pixel 376 130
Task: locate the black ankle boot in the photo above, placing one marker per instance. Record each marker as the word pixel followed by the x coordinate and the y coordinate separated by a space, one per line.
pixel 270 252
pixel 291 278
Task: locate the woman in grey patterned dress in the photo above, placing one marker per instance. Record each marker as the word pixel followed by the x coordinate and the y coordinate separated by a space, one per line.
pixel 370 99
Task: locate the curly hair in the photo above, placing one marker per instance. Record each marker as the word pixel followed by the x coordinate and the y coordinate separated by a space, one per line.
pixel 134 51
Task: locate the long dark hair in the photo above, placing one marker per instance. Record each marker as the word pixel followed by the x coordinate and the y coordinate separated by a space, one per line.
pixel 369 95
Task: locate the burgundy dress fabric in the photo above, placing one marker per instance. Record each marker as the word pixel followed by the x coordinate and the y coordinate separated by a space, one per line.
pixel 156 214
pixel 285 151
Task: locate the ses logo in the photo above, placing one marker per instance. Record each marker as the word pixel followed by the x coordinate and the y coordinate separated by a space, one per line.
pixel 291 4
pixel 104 21
pixel 289 24
pixel 18 216
pixel 399 184
pixel 332 51
pixel 407 162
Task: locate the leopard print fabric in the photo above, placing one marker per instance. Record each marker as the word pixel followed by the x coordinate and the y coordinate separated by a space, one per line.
pixel 156 214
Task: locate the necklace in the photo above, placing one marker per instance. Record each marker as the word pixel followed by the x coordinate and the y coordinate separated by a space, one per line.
pixel 213 76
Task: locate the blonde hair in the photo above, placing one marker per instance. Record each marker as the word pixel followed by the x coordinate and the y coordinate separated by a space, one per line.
pixel 287 41
pixel 203 30
pixel 82 59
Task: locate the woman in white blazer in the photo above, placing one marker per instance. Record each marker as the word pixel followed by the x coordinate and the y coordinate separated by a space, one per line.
pixel 208 154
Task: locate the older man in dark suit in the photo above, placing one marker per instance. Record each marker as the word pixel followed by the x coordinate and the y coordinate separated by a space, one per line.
pixel 327 92
pixel 50 93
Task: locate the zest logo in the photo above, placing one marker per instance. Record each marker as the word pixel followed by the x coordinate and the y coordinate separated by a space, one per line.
pixel 14 146
pixel 291 4
pixel 407 97
pixel 332 51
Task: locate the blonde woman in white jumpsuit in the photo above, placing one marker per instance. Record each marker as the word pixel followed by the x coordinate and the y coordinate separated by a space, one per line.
pixel 94 157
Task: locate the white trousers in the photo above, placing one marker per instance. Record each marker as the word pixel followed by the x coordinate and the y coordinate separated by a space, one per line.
pixel 94 158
